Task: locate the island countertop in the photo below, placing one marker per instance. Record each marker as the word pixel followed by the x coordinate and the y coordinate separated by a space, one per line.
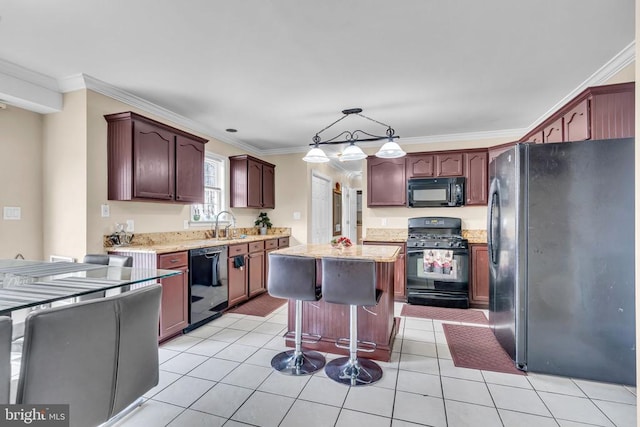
pixel 380 253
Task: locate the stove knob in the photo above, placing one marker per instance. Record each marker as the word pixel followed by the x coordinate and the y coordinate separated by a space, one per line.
pixel 451 244
pixel 436 244
pixel 422 244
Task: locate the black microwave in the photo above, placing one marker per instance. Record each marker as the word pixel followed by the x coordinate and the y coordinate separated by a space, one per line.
pixel 435 192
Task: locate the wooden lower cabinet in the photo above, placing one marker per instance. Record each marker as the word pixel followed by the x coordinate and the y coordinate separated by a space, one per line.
pixel 257 284
pixel 400 272
pixel 479 281
pixel 174 307
pixel 238 277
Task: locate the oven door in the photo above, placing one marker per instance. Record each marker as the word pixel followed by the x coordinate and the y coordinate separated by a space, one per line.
pixel 438 269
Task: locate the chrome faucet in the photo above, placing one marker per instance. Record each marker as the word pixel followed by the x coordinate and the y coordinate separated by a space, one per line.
pixel 217 230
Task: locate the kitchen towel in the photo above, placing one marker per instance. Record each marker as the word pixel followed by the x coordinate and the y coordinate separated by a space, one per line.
pixel 238 261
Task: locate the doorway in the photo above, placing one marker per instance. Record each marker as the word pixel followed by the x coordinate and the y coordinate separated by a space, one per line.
pixel 321 208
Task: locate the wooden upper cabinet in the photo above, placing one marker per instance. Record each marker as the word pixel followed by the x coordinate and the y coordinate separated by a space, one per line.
pixel 268 186
pixel 476 172
pixel 576 122
pixel 148 160
pixel 419 165
pixel 153 158
pixel 450 164
pixel 252 182
pixel 386 182
pixel 599 112
pixel 613 111
pixel 189 177
pixel 553 132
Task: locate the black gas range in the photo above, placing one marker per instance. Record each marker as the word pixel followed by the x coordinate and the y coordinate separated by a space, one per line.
pixel 437 263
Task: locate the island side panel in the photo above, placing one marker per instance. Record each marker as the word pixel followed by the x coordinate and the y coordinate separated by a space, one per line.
pixel 331 321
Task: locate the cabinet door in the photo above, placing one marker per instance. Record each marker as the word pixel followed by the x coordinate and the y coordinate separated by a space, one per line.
pixel 419 165
pixel 477 187
pixel 189 170
pixel 268 186
pixel 553 132
pixel 496 151
pixel 479 283
pixel 237 282
pixel 153 160
pixel 449 164
pixel 256 273
pixel 386 183
pixel 174 314
pixel 576 123
pixel 254 184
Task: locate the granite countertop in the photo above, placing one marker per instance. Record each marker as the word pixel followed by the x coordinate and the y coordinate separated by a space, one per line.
pixel 375 253
pixel 400 235
pixel 185 245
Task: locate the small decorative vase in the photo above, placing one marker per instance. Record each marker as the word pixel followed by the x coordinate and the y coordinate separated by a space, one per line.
pixel 263 231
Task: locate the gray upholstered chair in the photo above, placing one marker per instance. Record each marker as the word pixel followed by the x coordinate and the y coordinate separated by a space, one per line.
pixel 110 260
pixel 351 282
pixel 97 356
pixel 294 277
pixel 5 358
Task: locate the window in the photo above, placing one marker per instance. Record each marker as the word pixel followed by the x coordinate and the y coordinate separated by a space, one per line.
pixel 214 172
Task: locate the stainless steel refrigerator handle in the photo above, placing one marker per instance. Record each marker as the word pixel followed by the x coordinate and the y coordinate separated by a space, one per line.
pixel 493 244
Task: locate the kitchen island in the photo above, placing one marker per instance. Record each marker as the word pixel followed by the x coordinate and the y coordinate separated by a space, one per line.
pixel 331 321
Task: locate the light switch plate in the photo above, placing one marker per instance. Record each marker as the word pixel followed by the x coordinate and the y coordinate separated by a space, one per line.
pixel 297 215
pixel 130 226
pixel 12 212
pixel 104 210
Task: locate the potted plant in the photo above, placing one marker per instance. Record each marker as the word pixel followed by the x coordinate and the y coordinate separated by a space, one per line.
pixel 263 222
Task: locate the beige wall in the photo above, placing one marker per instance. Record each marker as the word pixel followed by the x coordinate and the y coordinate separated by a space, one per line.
pixel 65 179
pixel 21 177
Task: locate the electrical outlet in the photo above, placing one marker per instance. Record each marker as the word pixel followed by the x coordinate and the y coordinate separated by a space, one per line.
pixel 129 225
pixel 297 215
pixel 186 224
pixel 383 221
pixel 104 209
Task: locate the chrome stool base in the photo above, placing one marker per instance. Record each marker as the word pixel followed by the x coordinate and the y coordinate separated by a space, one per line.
pixel 353 372
pixel 305 363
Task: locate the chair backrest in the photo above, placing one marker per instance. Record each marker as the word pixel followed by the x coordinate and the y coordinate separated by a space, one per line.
pixel 75 355
pixel 107 259
pixel 138 350
pixel 5 359
pixel 292 277
pixel 349 281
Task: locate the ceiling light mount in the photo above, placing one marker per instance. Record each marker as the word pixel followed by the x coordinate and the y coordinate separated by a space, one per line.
pixel 389 150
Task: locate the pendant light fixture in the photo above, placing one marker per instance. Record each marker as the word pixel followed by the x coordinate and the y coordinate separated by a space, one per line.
pixel 389 150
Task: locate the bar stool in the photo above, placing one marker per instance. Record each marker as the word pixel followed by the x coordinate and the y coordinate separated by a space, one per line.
pixel 294 277
pixel 351 282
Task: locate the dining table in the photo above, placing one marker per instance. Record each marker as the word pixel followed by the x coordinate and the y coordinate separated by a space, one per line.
pixel 29 283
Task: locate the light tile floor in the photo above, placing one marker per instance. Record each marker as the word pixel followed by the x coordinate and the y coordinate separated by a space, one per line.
pixel 220 374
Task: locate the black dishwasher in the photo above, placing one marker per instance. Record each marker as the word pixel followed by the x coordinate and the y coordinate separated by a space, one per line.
pixel 208 285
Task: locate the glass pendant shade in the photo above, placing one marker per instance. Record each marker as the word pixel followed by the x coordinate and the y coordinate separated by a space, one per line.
pixel 316 155
pixel 352 152
pixel 390 150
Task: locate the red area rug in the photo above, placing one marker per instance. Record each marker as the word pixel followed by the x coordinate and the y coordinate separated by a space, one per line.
pixel 262 306
pixel 477 348
pixel 441 313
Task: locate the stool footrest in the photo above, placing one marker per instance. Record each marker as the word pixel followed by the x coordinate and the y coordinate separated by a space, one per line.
pixel 370 347
pixel 306 338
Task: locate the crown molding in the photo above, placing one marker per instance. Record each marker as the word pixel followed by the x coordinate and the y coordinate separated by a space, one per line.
pixel 29 89
pixel 84 81
pixel 622 59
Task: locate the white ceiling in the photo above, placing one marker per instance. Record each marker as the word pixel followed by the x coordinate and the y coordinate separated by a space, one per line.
pixel 281 70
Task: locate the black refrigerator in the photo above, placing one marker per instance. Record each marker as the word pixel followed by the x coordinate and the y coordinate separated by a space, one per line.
pixel 561 258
